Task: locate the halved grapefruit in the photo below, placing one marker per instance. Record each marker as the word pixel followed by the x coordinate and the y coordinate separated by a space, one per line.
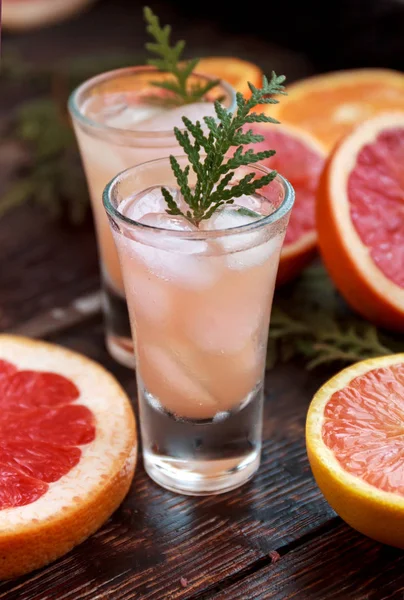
pixel 67 451
pixel 360 219
pixel 235 71
pixel 355 445
pixel 330 105
pixel 300 158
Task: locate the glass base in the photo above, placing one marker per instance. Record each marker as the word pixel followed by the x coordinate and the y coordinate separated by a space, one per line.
pixel 121 349
pixel 201 478
pixel 197 458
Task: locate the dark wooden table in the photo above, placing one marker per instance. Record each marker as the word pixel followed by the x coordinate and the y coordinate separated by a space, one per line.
pixel 276 537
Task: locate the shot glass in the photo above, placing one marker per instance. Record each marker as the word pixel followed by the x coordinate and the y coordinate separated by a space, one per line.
pixel 104 110
pixel 199 303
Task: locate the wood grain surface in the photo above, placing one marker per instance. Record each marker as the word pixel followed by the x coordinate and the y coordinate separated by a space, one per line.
pixel 339 564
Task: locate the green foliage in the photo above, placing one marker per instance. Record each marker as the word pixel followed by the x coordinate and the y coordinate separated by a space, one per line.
pixel 169 60
pixel 54 178
pixel 310 321
pixel 207 153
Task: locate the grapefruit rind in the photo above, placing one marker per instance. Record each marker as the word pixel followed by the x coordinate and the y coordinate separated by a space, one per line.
pixel 371 511
pixel 347 259
pixel 82 500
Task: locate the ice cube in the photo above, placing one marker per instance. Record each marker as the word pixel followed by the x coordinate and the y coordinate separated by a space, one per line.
pixel 119 110
pixel 231 216
pixel 148 295
pixel 174 385
pixel 131 117
pixel 167 120
pixel 169 257
pixel 223 323
pixel 163 220
pixel 243 250
pixel 254 203
pixel 150 201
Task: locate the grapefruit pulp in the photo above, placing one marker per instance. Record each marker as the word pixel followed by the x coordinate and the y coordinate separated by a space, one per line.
pixel 300 158
pixel 360 219
pixel 355 444
pixel 330 105
pixel 67 451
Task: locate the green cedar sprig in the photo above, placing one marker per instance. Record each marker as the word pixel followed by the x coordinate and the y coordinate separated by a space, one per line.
pixel 310 323
pixel 169 60
pixel 207 153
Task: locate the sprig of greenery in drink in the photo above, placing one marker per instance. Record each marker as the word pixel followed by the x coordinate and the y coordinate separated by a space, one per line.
pixel 169 60
pixel 207 148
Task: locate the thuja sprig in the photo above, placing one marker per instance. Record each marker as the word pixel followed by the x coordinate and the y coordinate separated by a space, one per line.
pixel 208 148
pixel 169 60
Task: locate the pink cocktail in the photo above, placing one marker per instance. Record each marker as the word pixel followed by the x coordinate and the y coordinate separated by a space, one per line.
pixel 199 300
pixel 120 121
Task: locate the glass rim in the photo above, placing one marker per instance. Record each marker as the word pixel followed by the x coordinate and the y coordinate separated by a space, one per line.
pixel 285 206
pixel 76 112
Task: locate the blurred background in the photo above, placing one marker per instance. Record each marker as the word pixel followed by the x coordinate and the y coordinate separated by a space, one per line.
pixel 297 37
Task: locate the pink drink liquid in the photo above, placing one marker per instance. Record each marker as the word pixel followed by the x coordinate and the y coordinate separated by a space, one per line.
pixel 125 129
pixel 103 158
pixel 200 311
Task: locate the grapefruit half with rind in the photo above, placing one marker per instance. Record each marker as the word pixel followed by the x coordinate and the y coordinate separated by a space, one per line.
pixel 360 219
pixel 355 445
pixel 329 105
pixel 67 451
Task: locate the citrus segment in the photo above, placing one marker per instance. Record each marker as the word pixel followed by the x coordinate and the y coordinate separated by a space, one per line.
pixel 25 389
pixel 67 451
pixel 300 159
pixel 360 219
pixel 44 461
pixel 330 105
pixel 355 444
pixel 17 489
pixel 71 425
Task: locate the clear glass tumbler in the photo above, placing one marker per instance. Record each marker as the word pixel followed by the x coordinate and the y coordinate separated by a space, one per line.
pixel 102 110
pixel 199 304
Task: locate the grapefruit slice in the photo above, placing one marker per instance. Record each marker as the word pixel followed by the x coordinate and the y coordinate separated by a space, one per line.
pixel 360 219
pixel 235 71
pixel 355 445
pixel 300 158
pixel 67 451
pixel 330 105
